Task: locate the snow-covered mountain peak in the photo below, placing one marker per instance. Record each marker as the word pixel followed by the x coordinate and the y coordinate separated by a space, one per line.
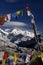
pixel 3 32
pixel 17 31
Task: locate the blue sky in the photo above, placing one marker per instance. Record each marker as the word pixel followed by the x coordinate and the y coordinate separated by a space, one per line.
pixel 36 6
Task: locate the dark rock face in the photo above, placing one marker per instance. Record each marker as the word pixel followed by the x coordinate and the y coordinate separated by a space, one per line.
pixel 29 43
pixel 13 38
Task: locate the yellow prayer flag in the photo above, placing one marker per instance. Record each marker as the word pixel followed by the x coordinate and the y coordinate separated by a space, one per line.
pixel 41 54
pixel 3 61
pixel 19 12
pixel 15 56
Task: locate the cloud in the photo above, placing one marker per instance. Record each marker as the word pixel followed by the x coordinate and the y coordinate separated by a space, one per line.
pixel 16 24
pixel 12 24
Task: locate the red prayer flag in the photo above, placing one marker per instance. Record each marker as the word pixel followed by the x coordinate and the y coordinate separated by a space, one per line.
pixel 27 7
pixel 5 55
pixel 2 19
